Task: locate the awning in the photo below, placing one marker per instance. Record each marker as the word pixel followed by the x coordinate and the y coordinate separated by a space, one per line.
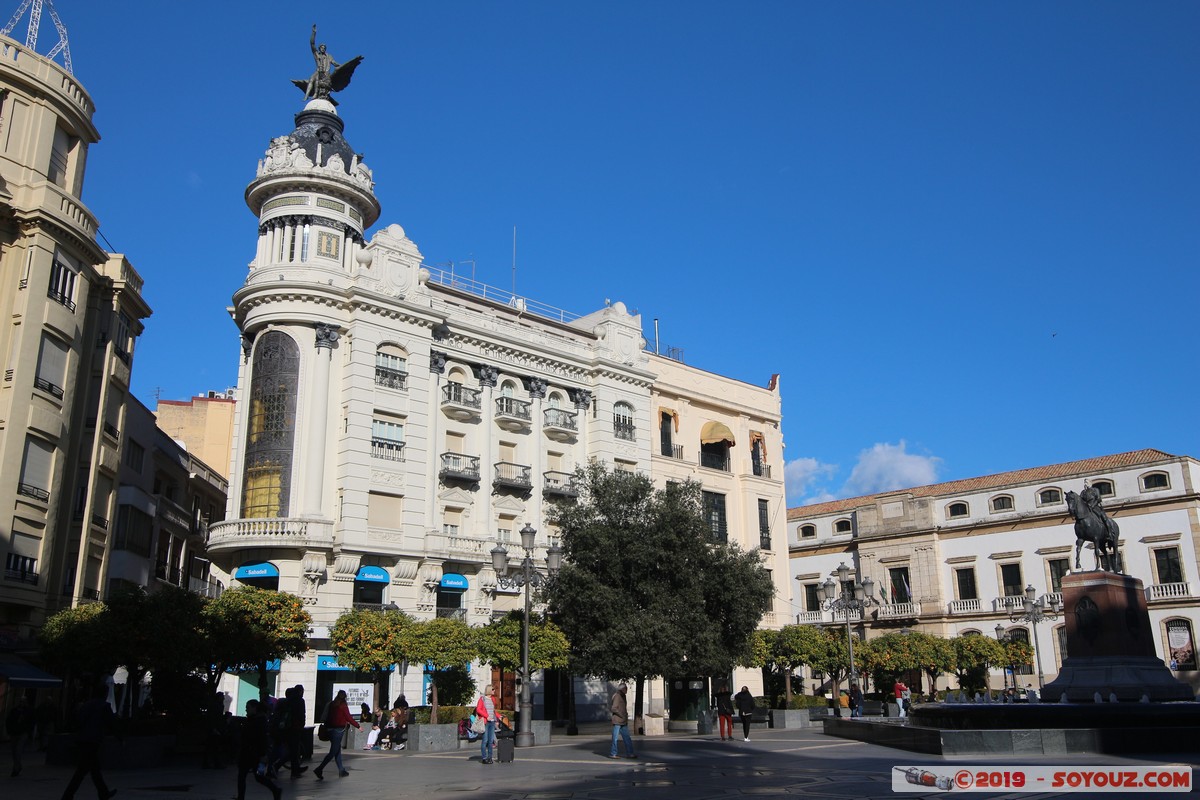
pixel 756 436
pixel 20 673
pixel 256 569
pixel 454 582
pixel 670 412
pixel 373 575
pixel 714 432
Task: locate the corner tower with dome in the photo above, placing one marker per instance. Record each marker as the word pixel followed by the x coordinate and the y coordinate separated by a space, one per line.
pixel 395 421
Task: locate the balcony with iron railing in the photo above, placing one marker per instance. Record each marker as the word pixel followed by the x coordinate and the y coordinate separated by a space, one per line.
pixel 1167 591
pixel 288 532
pixel 560 484
pixel 715 461
pixel 390 378
pixel 49 388
pixel 672 450
pixel 513 414
pixel 761 470
pixel 972 606
pixel 456 466
pixel 512 476
pixel 560 424
pixel 460 402
pixel 368 606
pixel 112 430
pixel 624 429
pixel 764 540
pixel 29 490
pixel 21 576
pixel 62 299
pixel 451 613
pixel 387 449
pixel 205 587
pixel 99 521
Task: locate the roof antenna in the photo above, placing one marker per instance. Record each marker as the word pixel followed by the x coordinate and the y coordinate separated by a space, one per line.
pixel 514 266
pixel 31 36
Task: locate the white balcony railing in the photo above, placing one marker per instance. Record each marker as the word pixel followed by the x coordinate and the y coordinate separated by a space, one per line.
pixel 899 610
pixel 808 618
pixel 1167 591
pixel 1008 603
pixel 855 615
pixel 270 532
pixel 965 606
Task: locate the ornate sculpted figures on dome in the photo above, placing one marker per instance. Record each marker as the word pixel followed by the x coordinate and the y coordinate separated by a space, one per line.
pixel 329 76
pixel 1093 525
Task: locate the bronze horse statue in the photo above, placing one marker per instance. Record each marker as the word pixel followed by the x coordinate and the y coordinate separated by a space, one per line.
pixel 1095 526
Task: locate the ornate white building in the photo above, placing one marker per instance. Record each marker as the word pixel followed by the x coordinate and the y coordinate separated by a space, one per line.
pixel 395 421
pixel 956 557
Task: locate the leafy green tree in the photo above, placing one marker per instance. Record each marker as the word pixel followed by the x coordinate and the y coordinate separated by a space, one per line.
pixel 834 660
pixel 499 643
pixel 248 627
pixel 439 643
pixel 370 640
pixel 795 646
pixel 74 641
pixel 935 656
pixel 974 654
pixel 644 589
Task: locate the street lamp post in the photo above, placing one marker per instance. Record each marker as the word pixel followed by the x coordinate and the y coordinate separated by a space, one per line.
pixel 1036 609
pixel 528 577
pixel 840 597
pixel 1002 637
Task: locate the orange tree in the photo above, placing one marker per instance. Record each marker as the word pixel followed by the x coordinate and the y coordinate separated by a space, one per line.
pixel 246 628
pixel 370 640
pixel 445 646
pixel 794 646
pixel 974 654
pixel 499 644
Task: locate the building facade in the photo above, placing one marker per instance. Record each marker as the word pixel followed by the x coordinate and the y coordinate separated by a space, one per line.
pixel 396 421
pixel 955 558
pixel 203 424
pixel 73 314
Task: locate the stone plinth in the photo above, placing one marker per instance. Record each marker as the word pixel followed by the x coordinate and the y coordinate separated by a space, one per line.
pixel 1110 645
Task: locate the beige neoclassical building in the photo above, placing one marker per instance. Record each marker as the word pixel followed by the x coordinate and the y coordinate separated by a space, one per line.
pixel 395 421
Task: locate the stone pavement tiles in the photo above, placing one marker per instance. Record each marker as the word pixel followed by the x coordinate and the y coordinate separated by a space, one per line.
pixel 777 763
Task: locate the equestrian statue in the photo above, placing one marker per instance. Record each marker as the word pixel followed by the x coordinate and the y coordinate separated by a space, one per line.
pixel 1093 525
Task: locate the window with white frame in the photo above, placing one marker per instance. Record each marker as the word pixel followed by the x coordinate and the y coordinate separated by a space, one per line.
pixel 1168 568
pixel 1155 481
pixel 62 284
pixel 35 469
pixel 623 427
pixel 964 583
pixel 387 439
pixel 1057 568
pixel 1002 502
pixel 1049 497
pixel 956 510
pixel 1105 488
pixel 52 366
pixel 808 531
pixel 843 526
pixel 391 367
pixel 1011 579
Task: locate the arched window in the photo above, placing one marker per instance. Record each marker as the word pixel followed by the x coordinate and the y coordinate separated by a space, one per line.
pixel 1105 488
pixel 1181 646
pixel 955 510
pixel 270 426
pixel 808 531
pixel 1021 635
pixel 1049 497
pixel 1154 481
pixel 391 367
pixel 842 526
pixel 1002 502
pixel 623 427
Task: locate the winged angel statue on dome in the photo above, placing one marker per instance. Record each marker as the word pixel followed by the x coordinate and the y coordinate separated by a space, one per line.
pixel 329 76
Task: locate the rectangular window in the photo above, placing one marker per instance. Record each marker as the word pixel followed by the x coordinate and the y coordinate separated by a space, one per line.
pixel 1010 578
pixel 764 525
pixel 35 469
pixel 450 521
pixel 52 366
pixel 123 337
pixel 812 597
pixel 135 531
pixel 1058 568
pixel 964 580
pixel 135 456
pixel 387 439
pixel 62 284
pixel 714 515
pixel 22 569
pixel 1167 565
pixel 262 491
pixel 60 158
pixel 384 510
pixel 304 245
pixel 898 578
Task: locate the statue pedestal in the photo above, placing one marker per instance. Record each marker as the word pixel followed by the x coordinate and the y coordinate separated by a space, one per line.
pixel 1110 645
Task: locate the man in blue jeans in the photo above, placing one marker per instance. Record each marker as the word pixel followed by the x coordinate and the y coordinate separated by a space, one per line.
pixel 620 722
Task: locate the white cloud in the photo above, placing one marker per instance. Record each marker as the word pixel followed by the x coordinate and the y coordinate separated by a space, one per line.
pixel 887 467
pixel 800 476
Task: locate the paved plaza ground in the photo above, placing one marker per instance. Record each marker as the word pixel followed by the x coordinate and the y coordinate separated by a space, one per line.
pixel 777 763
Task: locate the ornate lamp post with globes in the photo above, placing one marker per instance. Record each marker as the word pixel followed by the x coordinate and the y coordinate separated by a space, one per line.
pixel 1033 610
pixel 840 597
pixel 528 576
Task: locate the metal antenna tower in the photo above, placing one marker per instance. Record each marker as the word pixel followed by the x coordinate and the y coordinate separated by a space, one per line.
pixel 35 21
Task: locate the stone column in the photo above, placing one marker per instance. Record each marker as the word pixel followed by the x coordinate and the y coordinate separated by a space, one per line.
pixel 537 393
pixel 437 369
pixel 490 450
pixel 318 427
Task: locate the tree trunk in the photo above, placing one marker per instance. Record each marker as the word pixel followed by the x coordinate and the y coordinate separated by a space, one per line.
pixel 262 683
pixel 787 688
pixel 433 703
pixel 639 688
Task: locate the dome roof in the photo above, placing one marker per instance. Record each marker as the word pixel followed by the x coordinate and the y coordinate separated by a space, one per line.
pixel 319 133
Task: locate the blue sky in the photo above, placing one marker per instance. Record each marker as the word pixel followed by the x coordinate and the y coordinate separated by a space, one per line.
pixel 964 233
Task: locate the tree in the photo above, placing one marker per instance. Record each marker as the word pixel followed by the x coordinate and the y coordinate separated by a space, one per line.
pixel 440 643
pixel 370 640
pixel 799 645
pixel 499 643
pixel 74 641
pixel 935 656
pixel 973 655
pixel 249 627
pixel 644 589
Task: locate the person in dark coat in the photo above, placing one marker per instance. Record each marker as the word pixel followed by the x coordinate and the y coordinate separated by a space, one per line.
pixel 856 701
pixel 252 752
pixel 745 706
pixel 93 721
pixel 724 701
pixel 19 727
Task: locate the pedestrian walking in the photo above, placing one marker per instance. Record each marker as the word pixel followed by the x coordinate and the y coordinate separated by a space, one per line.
pixel 19 727
pixel 337 716
pixel 93 722
pixel 902 695
pixel 485 710
pixel 724 701
pixel 254 752
pixel 745 706
pixel 619 708
pixel 856 701
pixel 47 715
pixel 291 726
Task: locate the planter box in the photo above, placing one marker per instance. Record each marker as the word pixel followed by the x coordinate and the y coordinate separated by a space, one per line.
pixel 432 738
pixel 791 718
